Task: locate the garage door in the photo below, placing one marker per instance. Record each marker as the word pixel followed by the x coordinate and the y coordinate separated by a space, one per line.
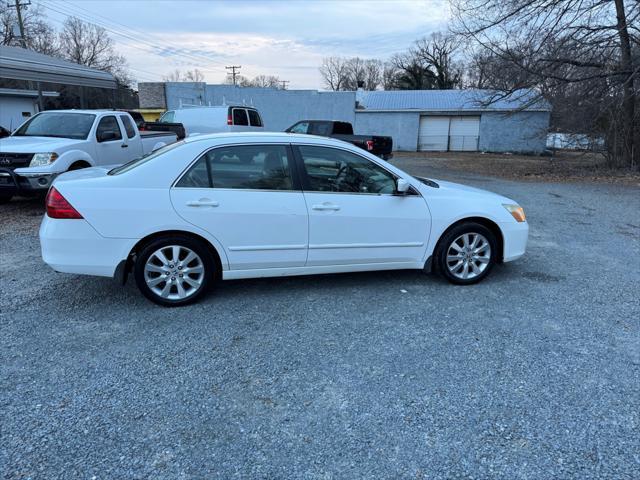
pixel 439 133
pixel 464 133
pixel 433 134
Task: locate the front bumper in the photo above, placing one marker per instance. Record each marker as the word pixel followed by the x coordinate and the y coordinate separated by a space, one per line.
pixel 73 246
pixel 515 236
pixel 12 183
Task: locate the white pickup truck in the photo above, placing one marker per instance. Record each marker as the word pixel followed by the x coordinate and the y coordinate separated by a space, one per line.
pixel 56 141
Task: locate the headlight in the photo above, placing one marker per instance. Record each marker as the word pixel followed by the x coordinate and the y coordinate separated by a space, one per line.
pixel 516 212
pixel 40 159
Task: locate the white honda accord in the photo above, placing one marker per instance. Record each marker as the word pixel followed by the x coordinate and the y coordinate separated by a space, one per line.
pixel 243 205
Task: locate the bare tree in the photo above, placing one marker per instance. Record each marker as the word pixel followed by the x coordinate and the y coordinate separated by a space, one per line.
pixel 90 45
pixel 175 76
pixel 265 81
pixel 429 64
pixel 194 75
pixel 437 52
pixel 39 35
pixel 334 71
pixel 373 74
pixel 567 46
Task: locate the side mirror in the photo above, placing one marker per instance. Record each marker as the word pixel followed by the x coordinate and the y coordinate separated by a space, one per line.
pixel 402 186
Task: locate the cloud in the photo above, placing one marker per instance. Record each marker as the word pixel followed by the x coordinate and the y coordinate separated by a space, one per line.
pixel 287 39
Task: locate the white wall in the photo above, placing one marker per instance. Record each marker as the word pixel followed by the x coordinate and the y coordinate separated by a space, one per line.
pixel 11 109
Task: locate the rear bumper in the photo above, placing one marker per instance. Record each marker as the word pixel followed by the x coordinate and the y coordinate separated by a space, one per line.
pixel 12 183
pixel 515 236
pixel 73 246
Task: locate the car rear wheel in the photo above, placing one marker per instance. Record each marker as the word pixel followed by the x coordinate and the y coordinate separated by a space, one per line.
pixel 174 270
pixel 466 254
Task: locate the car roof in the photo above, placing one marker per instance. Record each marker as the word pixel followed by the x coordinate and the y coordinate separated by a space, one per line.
pixel 252 137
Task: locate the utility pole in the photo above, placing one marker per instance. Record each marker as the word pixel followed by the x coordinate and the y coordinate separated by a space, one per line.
pixel 284 84
pixel 233 69
pixel 17 5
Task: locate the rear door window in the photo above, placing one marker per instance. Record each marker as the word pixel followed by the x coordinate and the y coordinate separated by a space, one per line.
pixel 321 128
pixel 254 118
pixel 250 167
pixel 128 126
pixel 240 116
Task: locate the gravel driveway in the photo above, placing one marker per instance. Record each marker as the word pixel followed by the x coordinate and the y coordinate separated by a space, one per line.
pixel 533 374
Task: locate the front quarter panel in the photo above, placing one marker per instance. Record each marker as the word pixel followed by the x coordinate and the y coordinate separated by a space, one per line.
pixel 448 206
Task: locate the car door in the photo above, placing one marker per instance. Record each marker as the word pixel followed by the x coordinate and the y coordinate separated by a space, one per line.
pixel 111 147
pixel 249 199
pixel 134 142
pixel 355 217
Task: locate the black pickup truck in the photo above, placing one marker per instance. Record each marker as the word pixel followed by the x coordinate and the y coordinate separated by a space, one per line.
pixel 378 145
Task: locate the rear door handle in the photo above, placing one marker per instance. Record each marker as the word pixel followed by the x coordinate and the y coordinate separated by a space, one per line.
pixel 326 206
pixel 124 145
pixel 203 202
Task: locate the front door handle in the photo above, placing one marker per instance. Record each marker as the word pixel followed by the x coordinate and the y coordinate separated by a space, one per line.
pixel 124 145
pixel 326 206
pixel 203 202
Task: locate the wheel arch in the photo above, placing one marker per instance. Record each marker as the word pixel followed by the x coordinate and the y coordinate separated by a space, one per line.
pixel 163 233
pixel 484 221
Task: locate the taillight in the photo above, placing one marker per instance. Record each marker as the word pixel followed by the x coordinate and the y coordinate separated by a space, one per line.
pixel 369 145
pixel 59 207
pixel 229 120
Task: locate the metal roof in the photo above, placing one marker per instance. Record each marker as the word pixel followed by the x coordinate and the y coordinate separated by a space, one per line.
pixel 21 64
pixel 452 100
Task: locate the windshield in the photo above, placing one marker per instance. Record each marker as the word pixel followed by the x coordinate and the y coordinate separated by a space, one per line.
pixel 144 159
pixel 57 124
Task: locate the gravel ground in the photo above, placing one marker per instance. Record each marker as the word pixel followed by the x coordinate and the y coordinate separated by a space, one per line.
pixel 533 374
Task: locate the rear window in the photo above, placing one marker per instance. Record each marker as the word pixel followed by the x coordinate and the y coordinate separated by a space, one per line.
pixel 254 118
pixel 142 160
pixel 240 116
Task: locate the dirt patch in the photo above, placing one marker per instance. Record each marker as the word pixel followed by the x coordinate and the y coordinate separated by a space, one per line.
pixel 561 167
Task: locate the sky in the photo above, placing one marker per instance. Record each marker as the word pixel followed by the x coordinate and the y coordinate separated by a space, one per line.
pixel 287 39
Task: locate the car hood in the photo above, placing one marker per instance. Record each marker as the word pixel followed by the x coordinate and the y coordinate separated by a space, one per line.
pixel 451 188
pixel 34 144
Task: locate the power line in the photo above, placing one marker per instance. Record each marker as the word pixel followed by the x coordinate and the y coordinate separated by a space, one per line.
pixel 233 69
pixel 136 36
pixel 151 76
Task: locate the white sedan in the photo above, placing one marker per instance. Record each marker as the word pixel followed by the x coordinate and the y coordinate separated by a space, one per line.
pixel 250 205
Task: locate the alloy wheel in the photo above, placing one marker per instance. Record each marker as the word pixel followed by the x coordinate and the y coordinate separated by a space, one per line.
pixel 468 256
pixel 174 272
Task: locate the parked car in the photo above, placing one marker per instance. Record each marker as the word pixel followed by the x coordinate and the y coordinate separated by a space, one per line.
pixel 378 145
pixel 202 120
pixel 57 141
pixel 263 205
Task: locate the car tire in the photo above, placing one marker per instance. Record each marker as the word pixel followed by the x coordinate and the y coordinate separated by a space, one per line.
pixel 5 199
pixel 466 254
pixel 174 270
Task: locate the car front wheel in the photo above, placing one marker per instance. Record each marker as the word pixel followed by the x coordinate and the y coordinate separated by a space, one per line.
pixel 173 270
pixel 466 254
